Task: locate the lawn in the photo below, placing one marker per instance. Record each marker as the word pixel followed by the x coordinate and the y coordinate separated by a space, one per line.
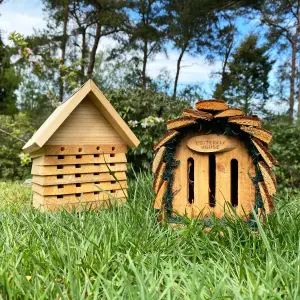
pixel 123 253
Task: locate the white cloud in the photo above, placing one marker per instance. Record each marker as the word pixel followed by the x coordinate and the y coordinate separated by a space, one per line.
pixel 193 69
pixel 21 16
pixel 24 16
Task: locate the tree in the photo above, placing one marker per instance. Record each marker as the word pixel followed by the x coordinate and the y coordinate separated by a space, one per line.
pixel 146 32
pixel 223 47
pixel 247 76
pixel 9 82
pixel 189 29
pixel 282 17
pixel 60 12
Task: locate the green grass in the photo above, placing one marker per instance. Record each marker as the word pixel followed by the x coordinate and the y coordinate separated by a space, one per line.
pixel 123 253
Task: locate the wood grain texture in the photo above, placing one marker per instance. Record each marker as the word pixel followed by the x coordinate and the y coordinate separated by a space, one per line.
pixel 83 188
pixel 79 149
pixel 265 153
pixel 113 117
pixel 231 112
pixel 72 169
pixel 211 105
pixel 78 206
pixel 269 178
pixel 79 159
pixel 85 125
pixel 166 138
pixel 200 206
pixel 246 120
pixel 260 133
pixel 188 112
pixel 159 177
pixel 212 143
pixel 159 156
pixel 267 199
pixel 158 202
pixel 90 94
pixel 81 198
pixel 181 122
pixel 73 178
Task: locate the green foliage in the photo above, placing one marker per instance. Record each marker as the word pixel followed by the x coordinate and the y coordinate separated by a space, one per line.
pixel 147 113
pixel 14 131
pixel 286 149
pixel 9 82
pixel 123 253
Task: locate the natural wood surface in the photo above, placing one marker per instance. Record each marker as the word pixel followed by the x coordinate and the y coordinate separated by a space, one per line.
pixel 159 156
pixel 269 178
pixel 231 112
pixel 84 178
pixel 212 143
pixel 85 125
pixel 188 112
pixel 81 198
pixel 72 169
pixel 159 197
pixel 79 149
pixel 181 122
pixel 211 105
pixel 246 120
pixel 246 189
pixel 83 188
pixel 159 177
pixel 265 153
pixel 91 93
pixel 267 199
pixel 79 159
pixel 260 133
pixel 166 138
pixel 112 116
pixel 77 206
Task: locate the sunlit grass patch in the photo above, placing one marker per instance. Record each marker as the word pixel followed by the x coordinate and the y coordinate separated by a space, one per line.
pixel 122 252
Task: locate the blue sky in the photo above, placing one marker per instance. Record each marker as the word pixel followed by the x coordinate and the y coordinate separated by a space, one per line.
pixel 24 16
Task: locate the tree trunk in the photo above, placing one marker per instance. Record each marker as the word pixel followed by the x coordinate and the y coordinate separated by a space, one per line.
pixel 145 58
pixel 83 55
pixel 93 52
pixel 292 81
pixel 63 50
pixel 177 71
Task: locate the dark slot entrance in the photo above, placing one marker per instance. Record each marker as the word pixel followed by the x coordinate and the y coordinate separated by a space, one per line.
pixel 234 167
pixel 191 193
pixel 212 180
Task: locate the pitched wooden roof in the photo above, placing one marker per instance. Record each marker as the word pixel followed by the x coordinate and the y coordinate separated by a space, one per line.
pixel 62 112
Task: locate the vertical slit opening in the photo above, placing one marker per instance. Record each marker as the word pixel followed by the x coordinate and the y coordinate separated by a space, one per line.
pixel 234 182
pixel 190 174
pixel 212 180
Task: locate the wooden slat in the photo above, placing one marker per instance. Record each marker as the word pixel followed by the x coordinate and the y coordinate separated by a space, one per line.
pixel 74 178
pixel 79 149
pixel 83 188
pixel 83 198
pixel 159 197
pixel 90 205
pixel 180 186
pixel 72 169
pixel 246 189
pixel 79 159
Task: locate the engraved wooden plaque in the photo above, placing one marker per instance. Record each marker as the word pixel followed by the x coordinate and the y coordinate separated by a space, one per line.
pixel 212 143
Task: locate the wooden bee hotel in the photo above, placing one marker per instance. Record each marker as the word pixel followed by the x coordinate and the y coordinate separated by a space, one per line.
pixel 81 146
pixel 211 157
